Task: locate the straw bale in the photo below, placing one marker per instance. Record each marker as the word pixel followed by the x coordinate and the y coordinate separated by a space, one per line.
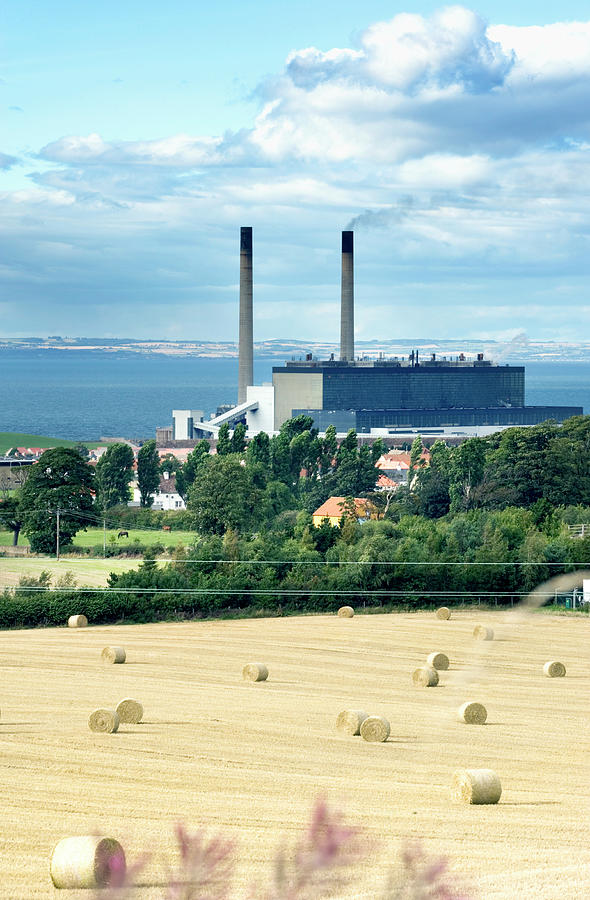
pixel 104 720
pixel 425 676
pixel 438 661
pixel 346 612
pixel 113 655
pixel 375 728
pixel 472 713
pixel 349 721
pixel 443 612
pixel 86 862
pixel 129 711
pixel 483 633
pixel 255 672
pixel 475 786
pixel 554 669
pixel 77 622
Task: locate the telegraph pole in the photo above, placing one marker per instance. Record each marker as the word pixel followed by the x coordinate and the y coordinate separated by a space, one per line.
pixel 104 537
pixel 57 536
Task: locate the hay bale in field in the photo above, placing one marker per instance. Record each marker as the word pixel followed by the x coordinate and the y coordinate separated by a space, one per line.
pixel 349 721
pixel 255 672
pixel 439 661
pixel 104 720
pixel 472 713
pixel 443 612
pixel 475 786
pixel 113 655
pixel 346 612
pixel 129 711
pixel 87 862
pixel 554 669
pixel 425 676
pixel 77 622
pixel 483 633
pixel 375 728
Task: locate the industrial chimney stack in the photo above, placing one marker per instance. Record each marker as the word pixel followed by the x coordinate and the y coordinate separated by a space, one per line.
pixel 246 340
pixel 347 297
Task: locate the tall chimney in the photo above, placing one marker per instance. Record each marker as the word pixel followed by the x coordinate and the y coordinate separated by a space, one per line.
pixel 246 340
pixel 347 298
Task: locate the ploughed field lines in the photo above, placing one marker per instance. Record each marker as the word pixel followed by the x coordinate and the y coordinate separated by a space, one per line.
pixel 249 758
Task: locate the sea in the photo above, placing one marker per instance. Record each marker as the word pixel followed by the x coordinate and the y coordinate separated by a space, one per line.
pixel 87 395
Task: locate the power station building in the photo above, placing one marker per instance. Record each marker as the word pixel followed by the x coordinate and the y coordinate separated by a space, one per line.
pixel 374 395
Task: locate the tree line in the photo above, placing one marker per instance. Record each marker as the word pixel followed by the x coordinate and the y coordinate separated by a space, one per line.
pixel 250 487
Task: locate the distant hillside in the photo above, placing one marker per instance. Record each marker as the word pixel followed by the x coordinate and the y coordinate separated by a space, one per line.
pixel 519 348
pixel 10 439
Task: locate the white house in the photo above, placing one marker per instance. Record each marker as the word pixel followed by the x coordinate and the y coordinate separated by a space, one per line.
pixel 166 497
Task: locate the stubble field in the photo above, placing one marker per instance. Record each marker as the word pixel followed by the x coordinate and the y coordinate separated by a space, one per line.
pixel 249 759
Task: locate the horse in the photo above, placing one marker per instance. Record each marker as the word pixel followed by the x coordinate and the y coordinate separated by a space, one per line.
pixel 123 534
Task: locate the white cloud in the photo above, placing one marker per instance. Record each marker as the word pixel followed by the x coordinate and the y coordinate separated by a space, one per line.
pixel 546 52
pixel 463 146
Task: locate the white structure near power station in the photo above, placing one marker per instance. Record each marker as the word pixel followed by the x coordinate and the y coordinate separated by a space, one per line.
pixel 258 408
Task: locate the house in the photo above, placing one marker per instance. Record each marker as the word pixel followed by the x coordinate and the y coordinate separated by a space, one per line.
pixel 395 465
pixel 334 508
pixel 166 497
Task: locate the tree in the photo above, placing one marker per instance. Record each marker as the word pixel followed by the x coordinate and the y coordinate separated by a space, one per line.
pixel 329 448
pixel 61 480
pixel 114 471
pixel 224 496
pixel 148 472
pixel 82 450
pixel 11 517
pixel 259 450
pixel 170 464
pixel 431 483
pixel 238 439
pixel 223 440
pixel 187 473
pixel 415 458
pixel 378 448
pixel 467 465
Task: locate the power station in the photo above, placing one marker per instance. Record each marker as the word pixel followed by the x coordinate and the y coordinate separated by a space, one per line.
pixel 373 396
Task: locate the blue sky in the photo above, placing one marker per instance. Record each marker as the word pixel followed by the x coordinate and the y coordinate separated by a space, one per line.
pixel 136 138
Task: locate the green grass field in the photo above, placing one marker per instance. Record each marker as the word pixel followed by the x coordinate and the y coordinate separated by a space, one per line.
pixel 10 439
pixel 94 537
pixel 87 572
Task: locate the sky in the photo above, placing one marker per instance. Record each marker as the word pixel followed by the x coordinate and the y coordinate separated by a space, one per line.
pixel 136 139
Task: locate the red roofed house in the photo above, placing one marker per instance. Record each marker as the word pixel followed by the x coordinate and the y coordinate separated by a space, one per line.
pixel 334 508
pixel 395 466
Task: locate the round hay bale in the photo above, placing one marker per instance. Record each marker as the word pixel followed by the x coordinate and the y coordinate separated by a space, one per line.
pixel 475 786
pixel 346 612
pixel 255 672
pixel 104 720
pixel 113 655
pixel 554 669
pixel 443 612
pixel 425 676
pixel 87 862
pixel 483 633
pixel 472 713
pixel 439 661
pixel 77 622
pixel 349 721
pixel 375 728
pixel 129 711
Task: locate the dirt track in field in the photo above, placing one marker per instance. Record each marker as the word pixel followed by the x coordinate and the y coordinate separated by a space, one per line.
pixel 249 759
